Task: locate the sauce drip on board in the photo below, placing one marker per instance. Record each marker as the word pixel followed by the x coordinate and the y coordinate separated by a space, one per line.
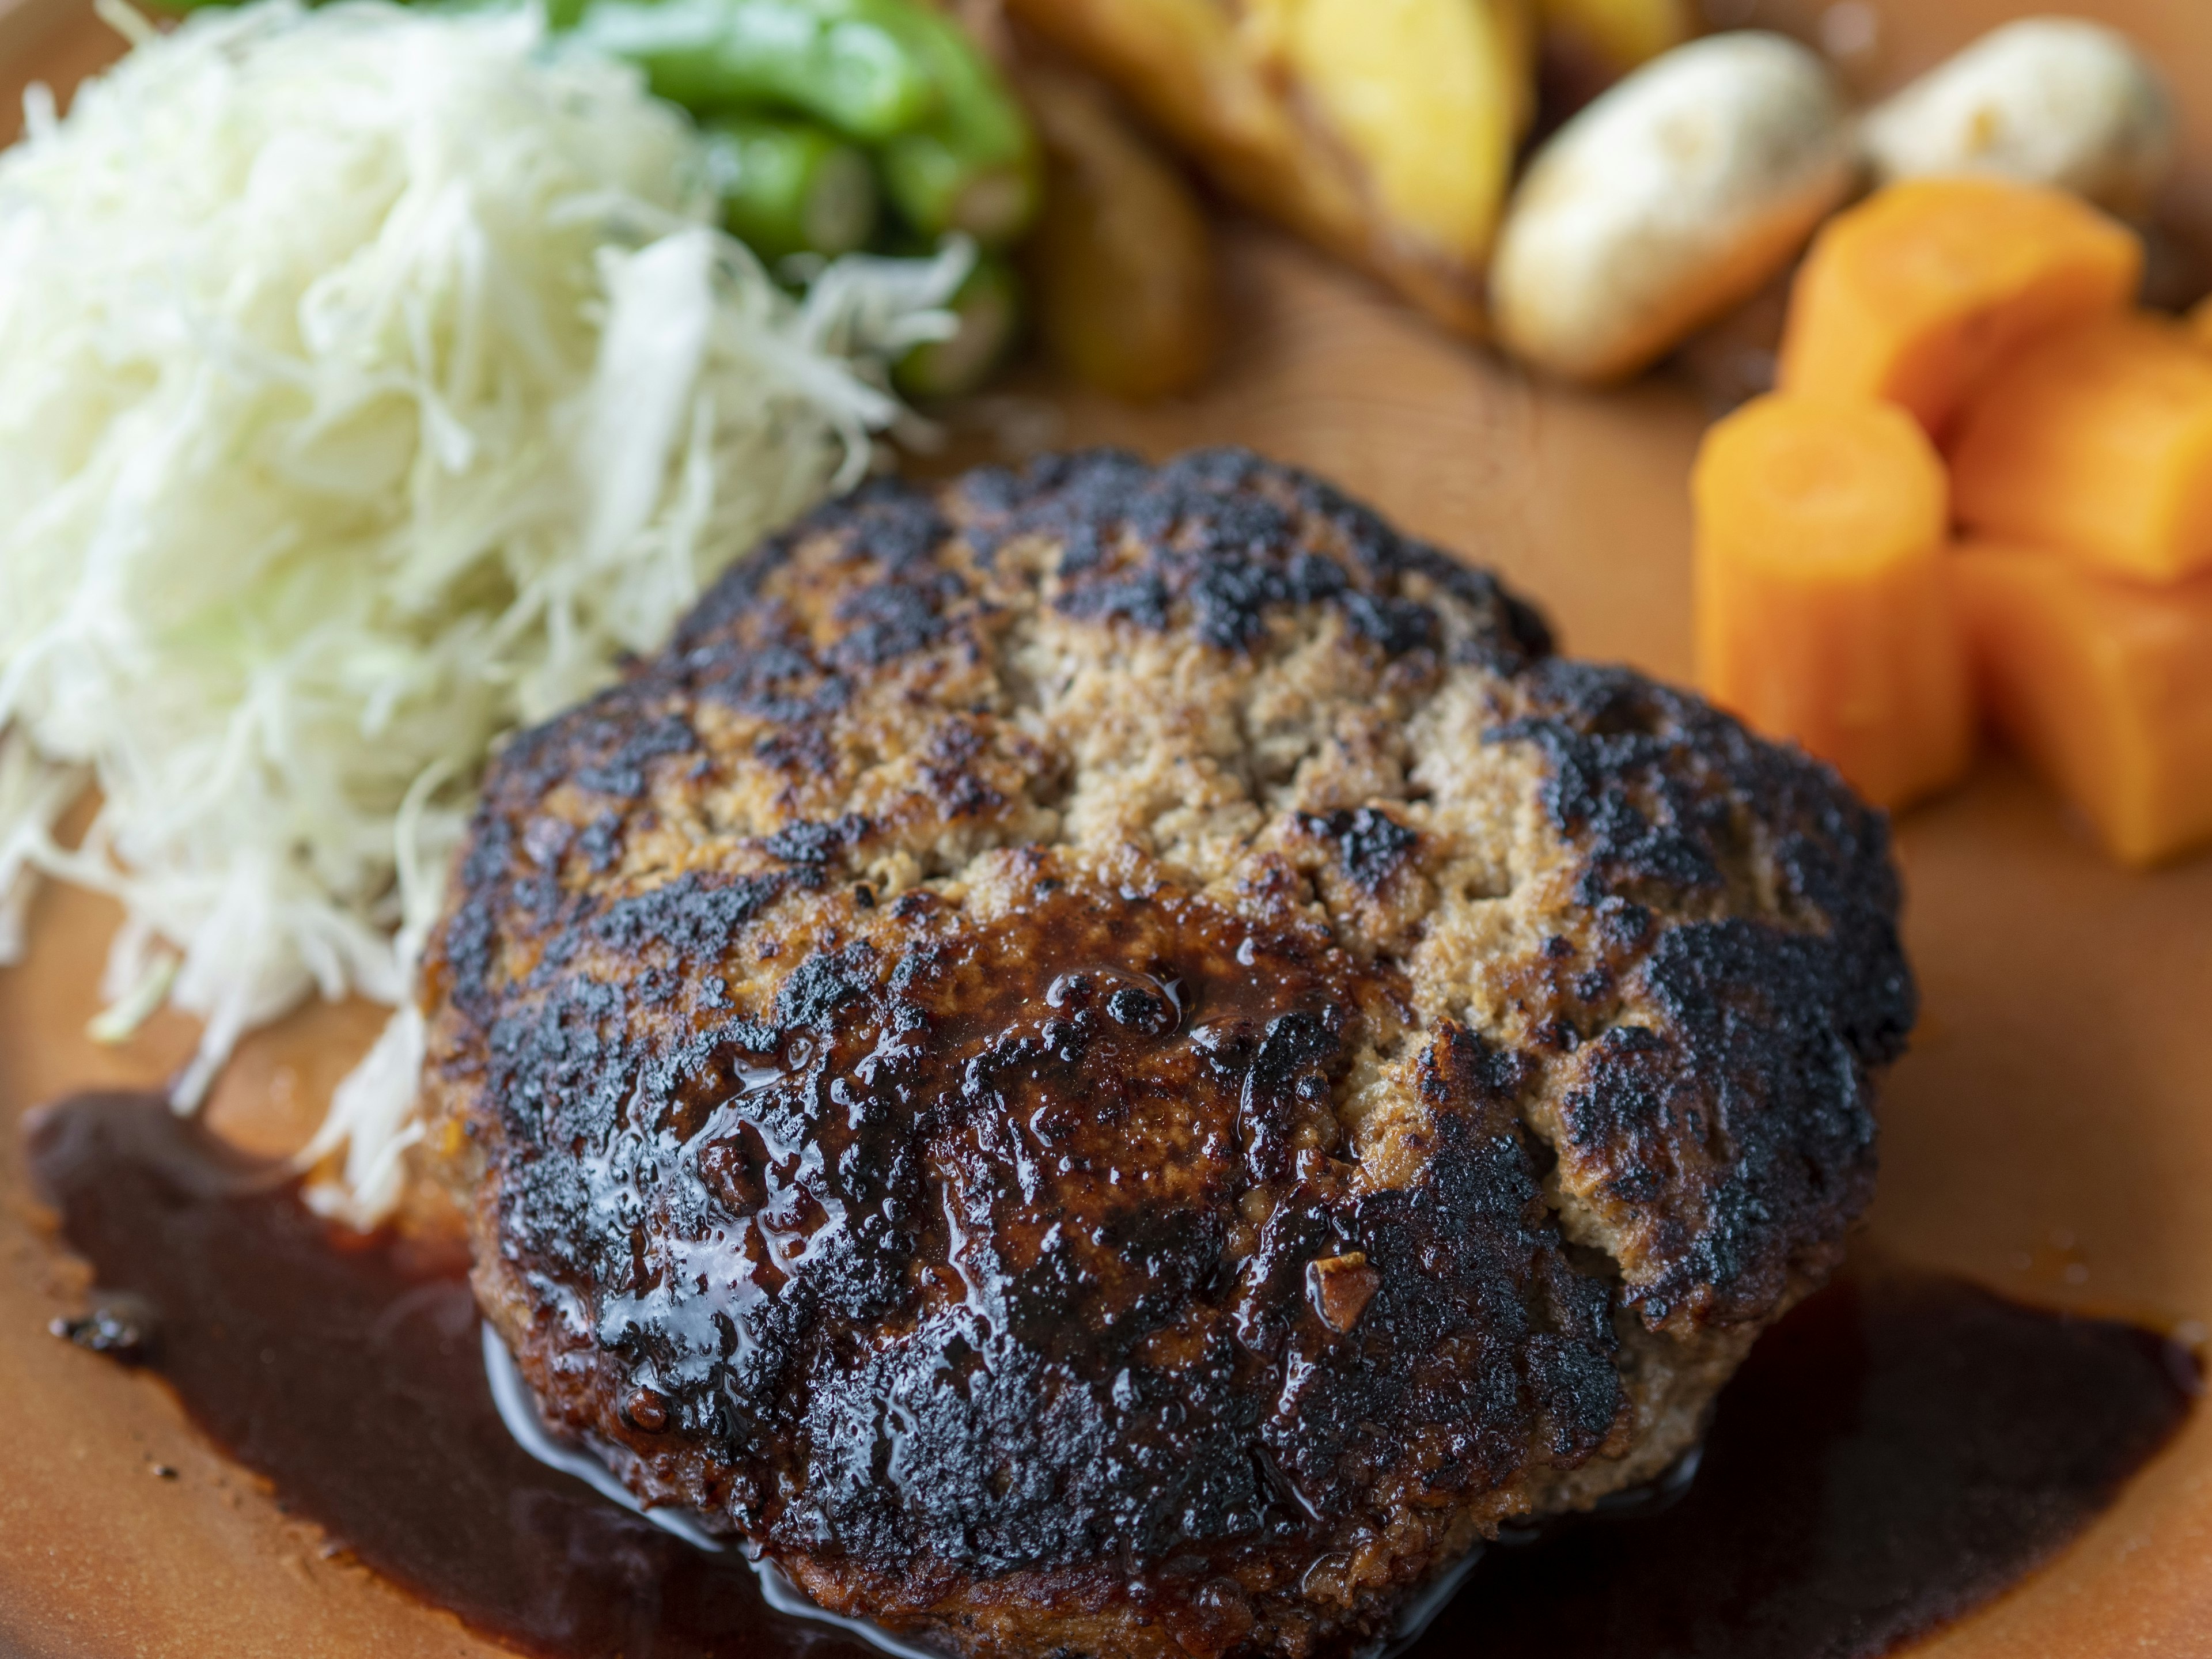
pixel 1900 1449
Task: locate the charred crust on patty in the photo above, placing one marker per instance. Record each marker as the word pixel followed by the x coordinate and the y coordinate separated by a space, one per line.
pixel 1118 1060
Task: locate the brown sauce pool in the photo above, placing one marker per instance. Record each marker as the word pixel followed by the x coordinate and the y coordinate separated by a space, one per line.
pixel 1899 1449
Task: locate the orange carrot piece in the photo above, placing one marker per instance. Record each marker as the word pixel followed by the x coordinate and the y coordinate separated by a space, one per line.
pixel 1822 610
pixel 2098 442
pixel 2104 684
pixel 1917 293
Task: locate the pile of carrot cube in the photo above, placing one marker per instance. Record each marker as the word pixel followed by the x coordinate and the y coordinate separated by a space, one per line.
pixel 1983 490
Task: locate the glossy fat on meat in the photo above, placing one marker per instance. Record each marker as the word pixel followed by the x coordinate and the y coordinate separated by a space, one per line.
pixel 1118 1061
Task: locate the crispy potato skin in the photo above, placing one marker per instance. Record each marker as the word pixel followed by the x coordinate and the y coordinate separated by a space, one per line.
pixel 1117 1061
pixel 1121 260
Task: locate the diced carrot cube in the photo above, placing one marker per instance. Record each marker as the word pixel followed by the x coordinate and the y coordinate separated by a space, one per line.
pixel 1823 613
pixel 2099 443
pixel 2104 684
pixel 1917 294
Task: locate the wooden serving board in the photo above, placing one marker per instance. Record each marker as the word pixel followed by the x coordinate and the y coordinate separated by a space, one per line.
pixel 2050 1134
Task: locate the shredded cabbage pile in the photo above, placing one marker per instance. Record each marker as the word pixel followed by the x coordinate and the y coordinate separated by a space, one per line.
pixel 370 381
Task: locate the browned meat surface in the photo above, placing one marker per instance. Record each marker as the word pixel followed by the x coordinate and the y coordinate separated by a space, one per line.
pixel 1118 1062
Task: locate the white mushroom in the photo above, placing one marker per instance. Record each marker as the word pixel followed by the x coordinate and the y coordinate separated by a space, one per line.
pixel 1672 197
pixel 2048 100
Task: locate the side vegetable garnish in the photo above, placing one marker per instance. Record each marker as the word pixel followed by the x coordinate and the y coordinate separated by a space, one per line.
pixel 1383 130
pixel 1122 259
pixel 986 312
pixel 820 111
pixel 2047 101
pixel 893 78
pixel 1917 293
pixel 848 63
pixel 2080 439
pixel 1674 196
pixel 790 188
pixel 1821 608
pixel 971 166
pixel 370 381
pixel 2099 441
pixel 948 139
pixel 2105 684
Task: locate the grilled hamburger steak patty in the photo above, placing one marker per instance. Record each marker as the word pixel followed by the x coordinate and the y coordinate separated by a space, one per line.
pixel 1117 1061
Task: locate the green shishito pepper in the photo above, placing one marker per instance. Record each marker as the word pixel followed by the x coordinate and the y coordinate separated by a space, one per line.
pixel 832 59
pixel 973 166
pixel 953 146
pixel 790 187
pixel 987 309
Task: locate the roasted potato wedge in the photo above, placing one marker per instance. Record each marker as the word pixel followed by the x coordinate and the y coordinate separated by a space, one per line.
pixel 1382 128
pixel 1122 261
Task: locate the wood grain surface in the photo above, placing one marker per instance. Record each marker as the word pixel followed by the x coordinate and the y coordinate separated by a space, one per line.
pixel 2050 1134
